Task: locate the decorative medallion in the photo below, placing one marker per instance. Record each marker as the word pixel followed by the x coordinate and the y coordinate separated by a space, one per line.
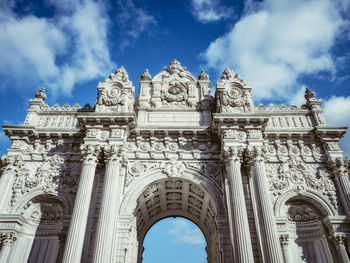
pixel 174 89
pixel 234 92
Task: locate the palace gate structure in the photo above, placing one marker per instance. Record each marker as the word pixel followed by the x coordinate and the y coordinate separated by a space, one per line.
pixel 263 183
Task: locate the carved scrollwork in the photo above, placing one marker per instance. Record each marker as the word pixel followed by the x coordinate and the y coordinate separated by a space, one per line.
pixel 11 163
pixel 298 176
pixel 174 168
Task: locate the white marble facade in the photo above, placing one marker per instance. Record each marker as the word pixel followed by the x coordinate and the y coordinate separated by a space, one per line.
pixel 264 183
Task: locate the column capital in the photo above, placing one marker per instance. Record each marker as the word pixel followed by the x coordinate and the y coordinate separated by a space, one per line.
pixel 232 155
pixel 338 240
pixel 256 155
pixel 339 166
pixel 89 153
pixel 284 239
pixel 8 238
pixel 11 162
pixel 115 154
pixel 62 238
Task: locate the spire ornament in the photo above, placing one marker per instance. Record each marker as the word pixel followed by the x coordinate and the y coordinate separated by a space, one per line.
pixel 145 75
pixel 41 94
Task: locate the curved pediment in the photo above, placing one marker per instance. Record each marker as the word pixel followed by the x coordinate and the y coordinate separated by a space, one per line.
pixel 174 72
pixel 174 97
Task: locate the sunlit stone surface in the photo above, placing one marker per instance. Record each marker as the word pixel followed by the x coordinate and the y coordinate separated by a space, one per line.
pixel 263 183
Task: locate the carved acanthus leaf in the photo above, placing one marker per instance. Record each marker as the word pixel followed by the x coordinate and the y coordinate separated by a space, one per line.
pixel 89 153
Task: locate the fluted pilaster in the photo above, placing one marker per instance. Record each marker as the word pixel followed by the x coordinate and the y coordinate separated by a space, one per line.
pixel 272 248
pixel 284 239
pixel 109 206
pixel 239 218
pixel 339 243
pixel 7 240
pixel 76 233
pixel 12 163
pixel 339 168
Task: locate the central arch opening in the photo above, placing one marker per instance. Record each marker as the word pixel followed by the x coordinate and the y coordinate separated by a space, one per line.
pixel 175 197
pixel 174 240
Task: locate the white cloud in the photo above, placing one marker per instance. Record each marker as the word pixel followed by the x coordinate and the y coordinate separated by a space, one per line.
pixel 336 111
pixel 185 234
pixel 297 97
pixel 210 10
pixel 58 52
pixel 133 20
pixel 276 42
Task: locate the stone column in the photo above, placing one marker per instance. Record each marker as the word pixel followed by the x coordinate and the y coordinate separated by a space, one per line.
pixel 341 177
pixel 77 228
pixel 271 246
pixel 61 241
pixel 7 240
pixel 284 239
pixel 12 164
pixel 339 243
pixel 239 218
pixel 109 206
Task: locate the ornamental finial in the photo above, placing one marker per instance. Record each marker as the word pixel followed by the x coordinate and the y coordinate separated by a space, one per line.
pixel 175 67
pixel 203 76
pixel 41 94
pixel 145 75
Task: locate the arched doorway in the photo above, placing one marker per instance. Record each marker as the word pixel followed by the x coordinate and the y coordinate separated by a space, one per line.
pixel 174 240
pixel 308 235
pixel 174 197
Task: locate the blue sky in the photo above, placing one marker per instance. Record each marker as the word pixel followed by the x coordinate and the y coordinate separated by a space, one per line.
pixel 174 240
pixel 279 46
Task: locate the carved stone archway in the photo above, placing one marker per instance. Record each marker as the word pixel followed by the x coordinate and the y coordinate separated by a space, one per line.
pixel 178 197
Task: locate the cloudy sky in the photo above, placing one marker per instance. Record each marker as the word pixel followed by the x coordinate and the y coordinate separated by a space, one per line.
pixel 279 46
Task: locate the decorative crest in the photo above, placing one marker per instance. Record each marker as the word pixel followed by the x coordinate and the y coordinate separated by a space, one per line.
pixel 203 76
pixel 41 94
pixel 120 75
pixel 174 168
pixel 175 67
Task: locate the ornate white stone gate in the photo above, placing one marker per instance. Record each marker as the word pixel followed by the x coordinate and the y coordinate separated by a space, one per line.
pixel 264 184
